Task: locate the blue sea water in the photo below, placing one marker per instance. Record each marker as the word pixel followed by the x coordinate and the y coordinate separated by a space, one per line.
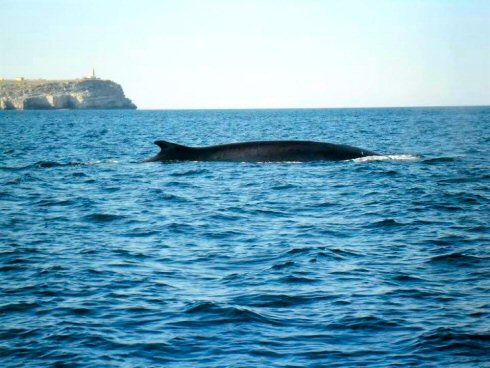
pixel 108 262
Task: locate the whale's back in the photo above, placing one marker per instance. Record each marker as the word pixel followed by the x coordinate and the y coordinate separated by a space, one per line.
pixel 260 151
pixel 276 151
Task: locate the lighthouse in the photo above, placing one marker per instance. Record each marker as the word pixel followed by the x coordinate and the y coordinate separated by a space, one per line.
pixel 91 76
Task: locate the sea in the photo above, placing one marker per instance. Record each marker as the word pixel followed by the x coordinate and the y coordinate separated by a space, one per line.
pixel 106 261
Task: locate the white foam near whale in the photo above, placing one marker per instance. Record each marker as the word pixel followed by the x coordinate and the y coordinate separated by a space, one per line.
pixel 387 158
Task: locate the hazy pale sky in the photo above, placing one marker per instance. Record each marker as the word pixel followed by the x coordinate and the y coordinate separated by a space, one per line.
pixel 258 53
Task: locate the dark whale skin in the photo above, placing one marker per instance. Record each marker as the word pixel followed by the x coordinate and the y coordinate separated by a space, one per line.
pixel 260 151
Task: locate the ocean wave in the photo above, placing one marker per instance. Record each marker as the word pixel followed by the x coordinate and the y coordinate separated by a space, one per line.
pixel 450 339
pixel 386 223
pixel 17 307
pixel 457 258
pixel 55 202
pixel 365 323
pixel 291 279
pixel 282 265
pixel 55 164
pixel 303 250
pixel 211 313
pixel 407 278
pixel 439 160
pixel 192 172
pixel 281 300
pixel 103 217
pixel 283 187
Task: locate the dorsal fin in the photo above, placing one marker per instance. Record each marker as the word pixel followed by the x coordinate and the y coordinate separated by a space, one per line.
pixel 165 146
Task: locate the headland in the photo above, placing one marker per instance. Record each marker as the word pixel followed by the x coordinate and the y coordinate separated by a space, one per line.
pixel 41 94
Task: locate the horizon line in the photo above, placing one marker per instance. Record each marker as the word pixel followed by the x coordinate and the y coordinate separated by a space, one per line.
pixel 308 108
pixel 261 108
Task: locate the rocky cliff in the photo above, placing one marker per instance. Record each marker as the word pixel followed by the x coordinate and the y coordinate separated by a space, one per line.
pixel 63 94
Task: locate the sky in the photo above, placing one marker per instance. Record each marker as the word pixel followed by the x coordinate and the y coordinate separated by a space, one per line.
pixel 193 54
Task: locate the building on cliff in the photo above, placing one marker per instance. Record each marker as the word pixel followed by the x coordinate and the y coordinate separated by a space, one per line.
pixel 93 76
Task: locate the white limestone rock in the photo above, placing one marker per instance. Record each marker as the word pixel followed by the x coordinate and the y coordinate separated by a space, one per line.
pixel 66 94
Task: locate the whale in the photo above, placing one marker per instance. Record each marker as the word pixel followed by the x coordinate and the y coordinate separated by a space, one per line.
pixel 260 151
